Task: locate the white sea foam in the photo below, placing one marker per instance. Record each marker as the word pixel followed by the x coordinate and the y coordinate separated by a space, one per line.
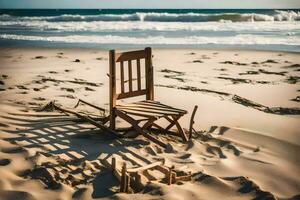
pixel 167 17
pixel 242 39
pixel 157 26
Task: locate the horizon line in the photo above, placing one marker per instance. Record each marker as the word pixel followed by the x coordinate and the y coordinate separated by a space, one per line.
pixel 157 8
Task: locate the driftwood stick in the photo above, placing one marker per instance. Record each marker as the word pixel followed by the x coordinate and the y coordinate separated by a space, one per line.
pixel 89 104
pixel 192 122
pixel 127 186
pixel 169 177
pixel 123 178
pixel 90 120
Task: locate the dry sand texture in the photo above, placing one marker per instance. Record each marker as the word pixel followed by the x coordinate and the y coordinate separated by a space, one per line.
pixel 247 145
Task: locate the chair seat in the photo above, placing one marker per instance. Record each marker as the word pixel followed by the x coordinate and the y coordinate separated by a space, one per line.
pixel 150 109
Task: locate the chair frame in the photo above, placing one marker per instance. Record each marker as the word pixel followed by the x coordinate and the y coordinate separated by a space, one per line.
pixel 130 56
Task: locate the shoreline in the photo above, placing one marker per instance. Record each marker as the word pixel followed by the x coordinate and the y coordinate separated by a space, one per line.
pixel 158 49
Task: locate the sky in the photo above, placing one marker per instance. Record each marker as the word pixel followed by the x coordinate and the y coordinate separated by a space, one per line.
pixel 149 3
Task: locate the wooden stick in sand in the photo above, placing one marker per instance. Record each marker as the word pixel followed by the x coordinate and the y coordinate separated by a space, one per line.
pixel 89 104
pixel 192 122
pixel 86 118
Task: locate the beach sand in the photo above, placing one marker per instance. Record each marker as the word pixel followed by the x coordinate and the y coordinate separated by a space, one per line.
pixel 247 143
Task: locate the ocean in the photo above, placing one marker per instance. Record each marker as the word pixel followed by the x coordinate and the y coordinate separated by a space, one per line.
pixel 158 28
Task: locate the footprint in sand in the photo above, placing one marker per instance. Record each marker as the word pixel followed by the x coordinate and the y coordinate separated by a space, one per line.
pixel 197 61
pixel 39 57
pixel 4 162
pixel 100 58
pixel 68 89
pixel 89 89
pixel 52 72
pixel 39 99
pixel 68 96
pixel 22 87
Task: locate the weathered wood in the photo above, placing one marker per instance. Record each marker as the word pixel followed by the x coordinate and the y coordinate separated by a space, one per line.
pixel 162 169
pixel 139 113
pixel 140 180
pixel 130 75
pixel 139 129
pixel 131 94
pixel 138 71
pixel 172 123
pixel 151 107
pixel 139 169
pixel 122 77
pixel 113 163
pixel 161 112
pixel 131 55
pixel 89 104
pixel 179 128
pixel 187 177
pixel 127 185
pixel 112 88
pixel 88 119
pixel 169 177
pixel 158 104
pixel 123 178
pixel 192 122
pixel 149 74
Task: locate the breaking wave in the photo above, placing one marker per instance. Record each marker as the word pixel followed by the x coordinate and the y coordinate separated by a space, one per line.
pixel 166 17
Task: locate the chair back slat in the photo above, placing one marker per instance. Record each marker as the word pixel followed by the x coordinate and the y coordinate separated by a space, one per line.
pixel 122 76
pixel 138 71
pixel 124 63
pixel 130 75
pixel 130 55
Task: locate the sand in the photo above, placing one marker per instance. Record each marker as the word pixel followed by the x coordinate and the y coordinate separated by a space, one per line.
pixel 246 146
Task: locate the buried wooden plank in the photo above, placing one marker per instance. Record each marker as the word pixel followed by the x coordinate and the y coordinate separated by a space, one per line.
pixel 139 169
pixel 123 178
pixel 187 177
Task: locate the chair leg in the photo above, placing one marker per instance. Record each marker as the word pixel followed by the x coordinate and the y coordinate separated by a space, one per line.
pixel 172 123
pixel 134 123
pixel 179 128
pixel 149 123
pixel 112 120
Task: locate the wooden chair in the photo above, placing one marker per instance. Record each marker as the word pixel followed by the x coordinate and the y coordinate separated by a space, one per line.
pixel 147 111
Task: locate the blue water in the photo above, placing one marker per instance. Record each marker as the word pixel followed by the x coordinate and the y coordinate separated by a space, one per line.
pixel 160 28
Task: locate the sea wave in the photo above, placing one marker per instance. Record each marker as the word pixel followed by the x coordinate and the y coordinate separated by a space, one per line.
pixel 278 15
pixel 241 39
pixel 149 26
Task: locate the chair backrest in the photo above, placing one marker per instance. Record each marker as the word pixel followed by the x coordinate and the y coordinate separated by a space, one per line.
pixel 118 61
